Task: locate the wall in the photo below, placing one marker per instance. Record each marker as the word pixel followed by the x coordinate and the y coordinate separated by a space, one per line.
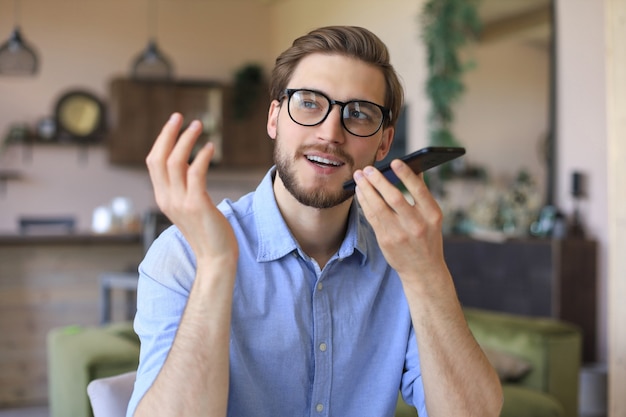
pixel 615 15
pixel 581 127
pixel 83 44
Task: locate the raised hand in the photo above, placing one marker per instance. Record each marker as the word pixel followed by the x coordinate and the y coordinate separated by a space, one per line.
pixel 180 191
pixel 187 385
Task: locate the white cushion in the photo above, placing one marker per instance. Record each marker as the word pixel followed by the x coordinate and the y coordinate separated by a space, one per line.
pixel 109 397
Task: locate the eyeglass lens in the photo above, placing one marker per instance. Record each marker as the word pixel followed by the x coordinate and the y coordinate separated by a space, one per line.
pixel 360 118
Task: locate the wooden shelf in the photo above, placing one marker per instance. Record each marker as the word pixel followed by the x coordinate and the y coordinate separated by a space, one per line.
pixel 9 175
pixel 70 239
pixel 139 109
pixel 5 176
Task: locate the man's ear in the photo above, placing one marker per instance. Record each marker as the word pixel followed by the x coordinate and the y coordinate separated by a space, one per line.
pixel 272 118
pixel 385 143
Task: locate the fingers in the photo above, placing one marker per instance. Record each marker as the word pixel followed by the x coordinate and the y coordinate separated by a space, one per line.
pixel 167 138
pixel 418 190
pixel 415 185
pixel 377 195
pixel 162 147
pixel 178 160
pixel 376 191
pixel 381 198
pixel 196 175
pixel 408 233
pixel 168 164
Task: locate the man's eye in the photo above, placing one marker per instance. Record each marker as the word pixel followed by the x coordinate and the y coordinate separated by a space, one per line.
pixel 360 111
pixel 309 104
pixel 356 114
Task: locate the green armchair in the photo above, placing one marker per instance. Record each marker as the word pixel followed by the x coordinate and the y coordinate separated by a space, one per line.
pixel 553 350
pixel 79 355
pixel 543 357
pixel 549 350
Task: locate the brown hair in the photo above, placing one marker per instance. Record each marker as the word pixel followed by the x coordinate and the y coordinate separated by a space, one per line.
pixel 351 41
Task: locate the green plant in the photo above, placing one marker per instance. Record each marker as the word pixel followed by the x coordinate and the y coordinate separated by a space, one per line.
pixel 247 88
pixel 447 26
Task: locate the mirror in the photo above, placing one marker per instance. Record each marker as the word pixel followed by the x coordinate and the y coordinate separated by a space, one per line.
pixel 505 118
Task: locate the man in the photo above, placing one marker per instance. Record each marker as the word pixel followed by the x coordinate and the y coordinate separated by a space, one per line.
pixel 295 300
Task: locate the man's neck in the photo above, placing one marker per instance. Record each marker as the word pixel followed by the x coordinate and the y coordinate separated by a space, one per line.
pixel 319 232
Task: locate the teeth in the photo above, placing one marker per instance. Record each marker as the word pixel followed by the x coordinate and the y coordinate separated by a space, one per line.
pixel 321 160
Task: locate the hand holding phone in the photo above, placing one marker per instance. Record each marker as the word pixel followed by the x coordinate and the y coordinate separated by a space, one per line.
pixel 419 161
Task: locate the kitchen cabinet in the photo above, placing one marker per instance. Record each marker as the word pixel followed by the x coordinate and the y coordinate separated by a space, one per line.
pixel 534 277
pixel 138 110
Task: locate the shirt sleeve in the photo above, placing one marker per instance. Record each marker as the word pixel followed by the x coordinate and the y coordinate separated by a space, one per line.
pixel 412 387
pixel 165 278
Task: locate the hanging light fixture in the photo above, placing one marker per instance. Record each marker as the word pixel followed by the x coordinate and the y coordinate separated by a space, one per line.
pixel 151 63
pixel 16 56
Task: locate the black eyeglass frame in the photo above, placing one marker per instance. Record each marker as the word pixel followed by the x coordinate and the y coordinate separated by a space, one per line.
pixel 386 113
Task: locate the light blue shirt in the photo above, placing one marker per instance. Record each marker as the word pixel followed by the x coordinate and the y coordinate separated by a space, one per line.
pixel 305 341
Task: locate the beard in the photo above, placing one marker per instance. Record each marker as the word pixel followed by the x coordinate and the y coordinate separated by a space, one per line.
pixel 322 197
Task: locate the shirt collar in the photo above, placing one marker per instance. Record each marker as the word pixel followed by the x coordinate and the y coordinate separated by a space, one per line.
pixel 274 237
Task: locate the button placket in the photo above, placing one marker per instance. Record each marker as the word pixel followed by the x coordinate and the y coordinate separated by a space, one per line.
pixel 322 380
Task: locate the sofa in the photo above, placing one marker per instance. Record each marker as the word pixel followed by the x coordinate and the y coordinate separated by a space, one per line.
pixel 538 361
pixel 548 353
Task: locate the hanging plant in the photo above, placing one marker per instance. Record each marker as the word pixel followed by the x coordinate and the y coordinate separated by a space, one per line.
pixel 447 26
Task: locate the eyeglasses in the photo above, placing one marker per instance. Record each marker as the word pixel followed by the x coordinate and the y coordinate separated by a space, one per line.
pixel 359 117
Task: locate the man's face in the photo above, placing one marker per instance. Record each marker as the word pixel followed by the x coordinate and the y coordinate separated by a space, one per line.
pixel 314 161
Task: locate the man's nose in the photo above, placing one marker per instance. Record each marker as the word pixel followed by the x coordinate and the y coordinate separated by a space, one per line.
pixel 331 129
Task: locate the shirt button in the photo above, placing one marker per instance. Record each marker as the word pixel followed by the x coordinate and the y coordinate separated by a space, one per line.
pixel 320 286
pixel 319 408
pixel 323 347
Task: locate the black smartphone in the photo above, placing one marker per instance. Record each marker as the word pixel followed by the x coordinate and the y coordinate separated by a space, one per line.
pixel 419 161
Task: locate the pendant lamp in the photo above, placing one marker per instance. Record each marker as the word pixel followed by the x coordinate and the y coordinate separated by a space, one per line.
pixel 151 63
pixel 16 56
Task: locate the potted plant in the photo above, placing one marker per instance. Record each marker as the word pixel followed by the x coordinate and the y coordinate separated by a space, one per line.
pixel 247 88
pixel 447 26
